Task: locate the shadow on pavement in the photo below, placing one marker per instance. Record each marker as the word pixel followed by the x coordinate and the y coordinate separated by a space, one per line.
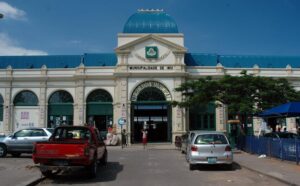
pixel 104 174
pixel 235 166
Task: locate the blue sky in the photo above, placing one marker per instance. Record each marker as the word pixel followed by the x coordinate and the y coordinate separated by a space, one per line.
pixel 239 27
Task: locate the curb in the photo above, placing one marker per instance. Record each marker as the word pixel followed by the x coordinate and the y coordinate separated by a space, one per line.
pixel 36 181
pixel 268 175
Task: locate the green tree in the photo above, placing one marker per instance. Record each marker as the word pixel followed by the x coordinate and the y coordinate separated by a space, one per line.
pixel 244 94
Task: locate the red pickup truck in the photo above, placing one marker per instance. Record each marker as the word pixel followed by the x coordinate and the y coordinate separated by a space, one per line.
pixel 70 147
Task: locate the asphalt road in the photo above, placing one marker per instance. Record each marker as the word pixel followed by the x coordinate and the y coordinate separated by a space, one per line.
pixel 135 166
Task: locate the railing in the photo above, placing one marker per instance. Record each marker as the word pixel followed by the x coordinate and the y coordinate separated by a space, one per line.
pixel 284 149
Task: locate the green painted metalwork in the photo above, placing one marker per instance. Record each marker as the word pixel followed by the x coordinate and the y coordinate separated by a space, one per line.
pixel 151 94
pixel 61 97
pixel 26 98
pixel 203 117
pixel 60 109
pixel 99 95
pixel 100 109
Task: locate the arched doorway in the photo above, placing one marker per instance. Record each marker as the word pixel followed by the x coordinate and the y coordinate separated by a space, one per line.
pixel 99 109
pixel 26 110
pixel 60 109
pixel 151 109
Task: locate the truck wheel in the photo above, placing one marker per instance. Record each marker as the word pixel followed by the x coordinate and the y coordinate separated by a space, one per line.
pixel 47 173
pixel 192 167
pixel 16 154
pixel 93 168
pixel 103 160
pixel 3 151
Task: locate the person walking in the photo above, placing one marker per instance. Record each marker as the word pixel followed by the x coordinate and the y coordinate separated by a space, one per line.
pixel 124 136
pixel 144 137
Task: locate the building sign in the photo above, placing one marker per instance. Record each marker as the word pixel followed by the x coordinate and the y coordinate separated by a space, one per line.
pixel 26 117
pixel 151 52
pixel 152 67
pixel 147 84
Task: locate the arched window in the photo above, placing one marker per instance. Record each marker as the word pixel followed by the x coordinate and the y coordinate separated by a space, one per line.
pixel 60 109
pixel 99 109
pixel 151 94
pixel 61 97
pixel 26 98
pixel 99 95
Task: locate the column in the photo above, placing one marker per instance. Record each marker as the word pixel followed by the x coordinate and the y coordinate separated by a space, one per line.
pixel 79 103
pixel 43 105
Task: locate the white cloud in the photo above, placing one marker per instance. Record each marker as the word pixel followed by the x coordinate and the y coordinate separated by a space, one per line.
pixel 11 12
pixel 11 47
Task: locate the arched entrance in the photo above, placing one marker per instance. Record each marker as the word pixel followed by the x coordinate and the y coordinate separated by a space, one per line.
pixel 99 109
pixel 60 109
pixel 26 110
pixel 151 109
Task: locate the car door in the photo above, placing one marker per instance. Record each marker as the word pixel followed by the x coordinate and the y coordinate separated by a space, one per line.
pixel 36 136
pixel 19 141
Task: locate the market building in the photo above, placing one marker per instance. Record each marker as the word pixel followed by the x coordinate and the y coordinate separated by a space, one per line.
pixel 135 83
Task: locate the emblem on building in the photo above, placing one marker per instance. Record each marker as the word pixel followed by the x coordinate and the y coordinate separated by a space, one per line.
pixel 151 52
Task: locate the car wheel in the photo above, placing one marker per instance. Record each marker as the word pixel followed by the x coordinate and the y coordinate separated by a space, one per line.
pixel 3 151
pixel 192 167
pixel 16 154
pixel 103 160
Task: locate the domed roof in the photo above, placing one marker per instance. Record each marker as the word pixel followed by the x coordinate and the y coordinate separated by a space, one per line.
pixel 150 21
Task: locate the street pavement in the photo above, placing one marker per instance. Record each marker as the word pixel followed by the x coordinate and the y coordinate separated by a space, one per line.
pixel 156 165
pixel 18 171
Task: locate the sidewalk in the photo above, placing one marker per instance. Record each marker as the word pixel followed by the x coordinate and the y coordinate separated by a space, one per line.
pixel 287 172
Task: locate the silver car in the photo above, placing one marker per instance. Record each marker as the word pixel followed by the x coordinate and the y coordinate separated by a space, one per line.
pixel 22 141
pixel 209 147
pixel 186 140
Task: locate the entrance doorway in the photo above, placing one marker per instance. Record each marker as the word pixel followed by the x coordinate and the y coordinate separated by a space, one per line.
pixel 99 110
pixel 155 118
pixel 151 110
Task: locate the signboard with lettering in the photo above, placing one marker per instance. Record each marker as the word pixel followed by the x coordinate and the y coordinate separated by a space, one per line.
pixel 26 117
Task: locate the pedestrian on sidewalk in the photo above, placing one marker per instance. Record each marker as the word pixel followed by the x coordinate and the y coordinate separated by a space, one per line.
pixel 144 137
pixel 124 138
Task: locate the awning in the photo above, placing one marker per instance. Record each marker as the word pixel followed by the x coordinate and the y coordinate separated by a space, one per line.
pixel 291 109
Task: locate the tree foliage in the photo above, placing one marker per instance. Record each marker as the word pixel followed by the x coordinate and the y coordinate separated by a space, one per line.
pixel 242 94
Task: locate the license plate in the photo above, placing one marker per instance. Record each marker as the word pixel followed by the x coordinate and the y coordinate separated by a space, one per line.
pixel 211 160
pixel 60 163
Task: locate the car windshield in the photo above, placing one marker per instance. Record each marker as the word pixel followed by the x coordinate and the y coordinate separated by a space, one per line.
pixel 211 139
pixel 72 134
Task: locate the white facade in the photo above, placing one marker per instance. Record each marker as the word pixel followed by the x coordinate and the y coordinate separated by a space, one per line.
pixel 120 81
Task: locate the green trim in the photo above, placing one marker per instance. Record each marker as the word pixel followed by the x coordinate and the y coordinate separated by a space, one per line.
pixel 99 109
pixel 60 109
pixel 150 102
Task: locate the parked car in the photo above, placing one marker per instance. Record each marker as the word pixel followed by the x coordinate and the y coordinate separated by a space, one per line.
pixel 209 147
pixel 71 147
pixel 186 140
pixel 22 141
